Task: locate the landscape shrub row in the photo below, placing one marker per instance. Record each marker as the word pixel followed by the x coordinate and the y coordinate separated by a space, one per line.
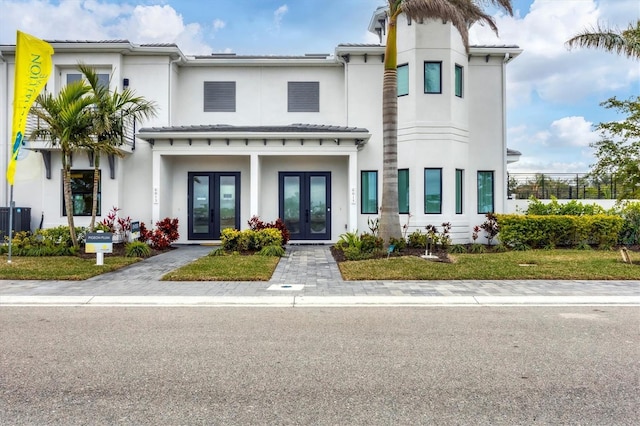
pixel 550 231
pixel 250 240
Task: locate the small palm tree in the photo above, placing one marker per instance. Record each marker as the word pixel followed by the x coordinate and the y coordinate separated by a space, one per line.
pixel 68 123
pixel 625 42
pixel 461 14
pixel 111 112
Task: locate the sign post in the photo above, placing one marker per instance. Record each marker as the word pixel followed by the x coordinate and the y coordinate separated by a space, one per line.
pixel 99 243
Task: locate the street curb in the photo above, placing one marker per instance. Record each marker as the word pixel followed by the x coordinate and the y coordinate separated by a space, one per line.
pixel 317 301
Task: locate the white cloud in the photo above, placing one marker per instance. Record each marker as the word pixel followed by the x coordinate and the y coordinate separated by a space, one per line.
pixel 279 14
pixel 546 68
pixel 573 131
pixel 218 24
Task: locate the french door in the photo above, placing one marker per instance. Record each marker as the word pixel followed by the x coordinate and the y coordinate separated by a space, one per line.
pixel 214 204
pixel 305 204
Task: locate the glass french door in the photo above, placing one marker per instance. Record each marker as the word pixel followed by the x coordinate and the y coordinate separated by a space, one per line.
pixel 305 204
pixel 214 204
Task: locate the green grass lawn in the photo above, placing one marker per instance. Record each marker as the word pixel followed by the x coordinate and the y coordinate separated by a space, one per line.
pixel 517 265
pixel 58 267
pixel 226 268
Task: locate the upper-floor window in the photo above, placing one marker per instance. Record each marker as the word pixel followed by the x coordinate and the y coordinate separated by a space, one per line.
pixel 433 77
pixel 219 96
pixel 433 191
pixel 458 77
pixel 103 79
pixel 303 96
pixel 403 79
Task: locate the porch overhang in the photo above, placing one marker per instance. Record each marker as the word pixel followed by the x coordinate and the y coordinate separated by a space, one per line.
pixel 255 136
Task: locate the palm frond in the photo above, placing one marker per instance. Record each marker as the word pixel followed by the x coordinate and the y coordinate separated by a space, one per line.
pixel 622 42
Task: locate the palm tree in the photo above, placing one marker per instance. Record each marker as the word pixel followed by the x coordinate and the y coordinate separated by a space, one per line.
pixel 625 42
pixel 67 123
pixel 111 112
pixel 461 14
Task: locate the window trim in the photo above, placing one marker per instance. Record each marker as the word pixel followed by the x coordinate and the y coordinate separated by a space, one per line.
pixel 459 191
pixel 86 194
pixel 455 81
pixel 362 191
pixel 425 77
pixel 493 194
pixel 403 66
pixel 439 169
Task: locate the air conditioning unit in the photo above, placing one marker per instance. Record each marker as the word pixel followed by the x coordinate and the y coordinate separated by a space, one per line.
pixel 21 220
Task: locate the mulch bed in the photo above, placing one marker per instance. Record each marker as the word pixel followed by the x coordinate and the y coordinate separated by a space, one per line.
pixel 118 250
pixel 338 255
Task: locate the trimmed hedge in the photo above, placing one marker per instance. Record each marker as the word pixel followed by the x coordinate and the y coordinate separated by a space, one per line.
pixel 551 231
pixel 250 240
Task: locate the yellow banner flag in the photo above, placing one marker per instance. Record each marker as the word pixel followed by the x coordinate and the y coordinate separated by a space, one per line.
pixel 33 66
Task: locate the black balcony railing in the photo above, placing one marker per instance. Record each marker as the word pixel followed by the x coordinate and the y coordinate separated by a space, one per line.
pixel 563 186
pixel 128 138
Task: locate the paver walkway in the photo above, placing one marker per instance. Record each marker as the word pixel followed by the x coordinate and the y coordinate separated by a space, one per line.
pixel 309 271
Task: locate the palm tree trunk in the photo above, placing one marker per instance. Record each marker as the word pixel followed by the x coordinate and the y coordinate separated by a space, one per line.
pixel 389 216
pixel 96 182
pixel 66 184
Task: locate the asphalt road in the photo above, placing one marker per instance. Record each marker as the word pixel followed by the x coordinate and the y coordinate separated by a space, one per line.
pixel 338 366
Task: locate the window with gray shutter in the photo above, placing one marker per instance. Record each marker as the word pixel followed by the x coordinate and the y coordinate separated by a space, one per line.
pixel 219 96
pixel 304 96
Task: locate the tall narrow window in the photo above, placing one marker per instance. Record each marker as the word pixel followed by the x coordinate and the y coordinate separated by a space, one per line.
pixel 433 191
pixel 403 191
pixel 403 80
pixel 369 192
pixel 81 193
pixel 459 186
pixel 433 77
pixel 219 96
pixel 459 75
pixel 485 192
pixel 303 96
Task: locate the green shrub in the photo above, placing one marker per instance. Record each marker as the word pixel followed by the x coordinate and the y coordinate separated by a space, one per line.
pixel 137 249
pixel 552 231
pixel 229 238
pixel 272 250
pixel 267 237
pixel 399 244
pixel 370 243
pixel 217 252
pixel 458 248
pixel 349 239
pixel 354 253
pixel 249 239
pixel 477 248
pixel 417 240
pixel 499 248
pixel 571 208
pixel 630 232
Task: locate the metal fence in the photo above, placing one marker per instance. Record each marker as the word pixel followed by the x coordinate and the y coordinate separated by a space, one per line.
pixel 563 186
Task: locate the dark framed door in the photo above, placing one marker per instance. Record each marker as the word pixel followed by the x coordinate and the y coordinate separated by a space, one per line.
pixel 214 204
pixel 305 204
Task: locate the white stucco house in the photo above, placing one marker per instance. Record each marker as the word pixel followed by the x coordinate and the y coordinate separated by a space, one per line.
pixel 296 137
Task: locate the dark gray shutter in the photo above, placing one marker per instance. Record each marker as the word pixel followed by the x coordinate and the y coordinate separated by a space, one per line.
pixel 304 96
pixel 219 96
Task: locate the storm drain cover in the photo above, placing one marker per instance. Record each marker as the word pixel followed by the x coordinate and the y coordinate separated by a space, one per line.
pixel 289 287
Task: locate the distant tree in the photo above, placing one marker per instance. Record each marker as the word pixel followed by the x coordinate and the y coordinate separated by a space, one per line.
pixel 625 42
pixel 618 152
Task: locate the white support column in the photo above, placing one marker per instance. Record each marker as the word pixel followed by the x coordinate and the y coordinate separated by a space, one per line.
pixel 155 195
pixel 254 203
pixel 353 192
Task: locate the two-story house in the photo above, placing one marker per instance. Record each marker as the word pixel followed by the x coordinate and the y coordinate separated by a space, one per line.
pixel 295 137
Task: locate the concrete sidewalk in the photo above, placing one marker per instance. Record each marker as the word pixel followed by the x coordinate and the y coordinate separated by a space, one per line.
pixel 306 276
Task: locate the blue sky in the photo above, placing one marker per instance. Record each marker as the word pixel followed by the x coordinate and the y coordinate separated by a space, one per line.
pixel 553 93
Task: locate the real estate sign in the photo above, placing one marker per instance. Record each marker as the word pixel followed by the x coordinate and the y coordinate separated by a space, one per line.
pixel 99 242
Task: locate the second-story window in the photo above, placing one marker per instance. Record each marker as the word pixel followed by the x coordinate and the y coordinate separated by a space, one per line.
pixel 219 96
pixel 403 80
pixel 303 96
pixel 459 78
pixel 433 77
pixel 103 79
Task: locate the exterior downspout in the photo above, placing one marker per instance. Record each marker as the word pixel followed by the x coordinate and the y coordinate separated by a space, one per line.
pixel 505 186
pixel 169 111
